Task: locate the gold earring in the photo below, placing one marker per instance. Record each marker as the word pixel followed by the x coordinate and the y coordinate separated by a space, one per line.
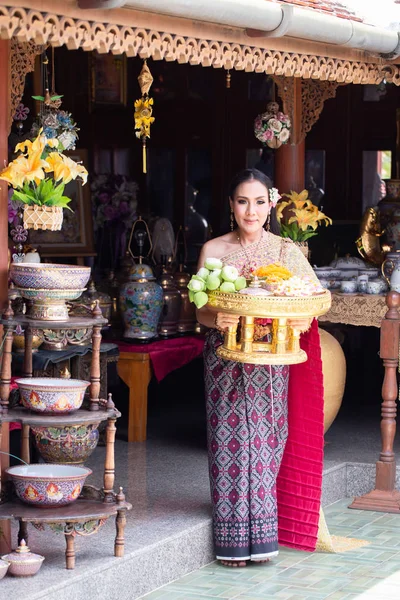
pixel 267 222
pixel 232 223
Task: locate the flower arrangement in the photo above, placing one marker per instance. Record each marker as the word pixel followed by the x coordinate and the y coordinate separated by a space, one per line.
pixel 114 199
pixel 299 217
pixel 55 123
pixel 272 128
pixel 39 173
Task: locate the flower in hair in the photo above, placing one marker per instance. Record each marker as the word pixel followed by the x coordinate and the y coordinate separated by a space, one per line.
pixel 274 196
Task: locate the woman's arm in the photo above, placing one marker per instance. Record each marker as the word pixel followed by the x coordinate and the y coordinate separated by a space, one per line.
pixel 204 315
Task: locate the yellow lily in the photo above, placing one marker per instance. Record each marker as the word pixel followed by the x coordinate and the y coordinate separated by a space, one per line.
pixel 304 218
pixel 280 207
pixel 25 169
pixel 74 170
pixel 23 146
pixel 55 165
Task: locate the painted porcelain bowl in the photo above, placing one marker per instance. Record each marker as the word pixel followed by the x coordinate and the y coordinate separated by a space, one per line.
pixel 376 286
pixel 3 567
pixel 52 396
pixel 46 485
pixel 349 286
pixel 327 272
pixel 22 562
pixel 71 444
pixel 37 294
pixel 49 276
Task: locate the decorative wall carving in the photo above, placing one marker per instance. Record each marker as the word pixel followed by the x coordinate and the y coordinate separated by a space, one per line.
pixel 23 54
pixel 45 28
pixel 313 95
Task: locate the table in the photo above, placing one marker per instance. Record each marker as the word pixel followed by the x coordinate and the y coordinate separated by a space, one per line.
pixel 356 309
pixel 137 363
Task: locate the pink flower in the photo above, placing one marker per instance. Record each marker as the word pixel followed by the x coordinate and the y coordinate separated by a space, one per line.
pixel 267 135
pixel 21 113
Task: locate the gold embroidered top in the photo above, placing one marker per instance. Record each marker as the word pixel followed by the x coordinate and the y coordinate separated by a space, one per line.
pixel 271 249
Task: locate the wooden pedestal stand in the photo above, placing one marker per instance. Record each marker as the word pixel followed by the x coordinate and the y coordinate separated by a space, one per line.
pixel 94 506
pixel 385 498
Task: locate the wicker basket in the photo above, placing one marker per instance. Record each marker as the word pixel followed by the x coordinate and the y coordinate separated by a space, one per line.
pixel 43 217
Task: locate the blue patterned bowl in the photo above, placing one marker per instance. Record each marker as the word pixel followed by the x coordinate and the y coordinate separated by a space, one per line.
pixel 36 294
pixel 52 396
pixel 46 485
pixel 72 444
pixel 49 276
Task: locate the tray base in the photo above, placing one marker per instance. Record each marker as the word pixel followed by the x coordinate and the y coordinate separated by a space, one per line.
pixel 262 357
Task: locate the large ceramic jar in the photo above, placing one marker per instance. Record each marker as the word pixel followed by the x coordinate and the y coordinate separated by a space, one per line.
pixel 389 210
pixel 141 302
pixel 171 306
pixel 187 317
pixel 391 270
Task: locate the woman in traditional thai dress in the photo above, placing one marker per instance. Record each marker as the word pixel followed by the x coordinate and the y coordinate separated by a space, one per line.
pixel 265 423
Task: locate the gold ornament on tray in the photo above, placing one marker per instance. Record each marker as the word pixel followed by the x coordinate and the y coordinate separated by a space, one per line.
pixel 144 110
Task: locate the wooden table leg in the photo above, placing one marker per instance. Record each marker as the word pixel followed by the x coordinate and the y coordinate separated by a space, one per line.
pixel 109 463
pixel 70 551
pixel 5 526
pixel 135 370
pixel 120 522
pixel 25 450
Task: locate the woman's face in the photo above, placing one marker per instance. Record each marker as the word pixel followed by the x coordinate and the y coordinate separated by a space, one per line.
pixel 250 206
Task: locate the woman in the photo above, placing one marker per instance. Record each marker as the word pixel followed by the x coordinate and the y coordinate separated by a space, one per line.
pixel 247 405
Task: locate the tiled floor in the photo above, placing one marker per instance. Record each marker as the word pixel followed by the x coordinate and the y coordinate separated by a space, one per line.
pixel 368 573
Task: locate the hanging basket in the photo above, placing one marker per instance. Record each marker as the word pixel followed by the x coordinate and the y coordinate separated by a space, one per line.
pixel 43 217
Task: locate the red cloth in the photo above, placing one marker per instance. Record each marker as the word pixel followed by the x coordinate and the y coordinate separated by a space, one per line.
pixel 299 482
pixel 168 355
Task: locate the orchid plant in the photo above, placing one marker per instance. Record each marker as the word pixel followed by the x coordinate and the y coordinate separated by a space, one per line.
pixel 299 218
pixel 40 172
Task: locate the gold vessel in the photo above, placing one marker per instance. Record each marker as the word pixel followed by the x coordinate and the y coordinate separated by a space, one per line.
pixel 284 346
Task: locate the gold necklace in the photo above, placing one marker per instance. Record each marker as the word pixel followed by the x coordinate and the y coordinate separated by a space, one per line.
pixel 249 261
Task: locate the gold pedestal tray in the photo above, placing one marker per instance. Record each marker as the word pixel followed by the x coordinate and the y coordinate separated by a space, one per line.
pixel 284 347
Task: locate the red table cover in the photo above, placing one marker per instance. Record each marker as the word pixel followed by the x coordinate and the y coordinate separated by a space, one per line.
pixel 168 355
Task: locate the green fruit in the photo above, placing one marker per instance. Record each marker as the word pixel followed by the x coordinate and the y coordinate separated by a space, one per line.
pixel 200 299
pixel 240 283
pixel 213 263
pixel 227 287
pixel 213 282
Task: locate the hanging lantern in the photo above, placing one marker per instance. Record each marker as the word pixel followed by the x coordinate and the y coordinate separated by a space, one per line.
pixel 144 110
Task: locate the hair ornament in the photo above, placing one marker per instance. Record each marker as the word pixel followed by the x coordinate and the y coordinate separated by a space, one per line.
pixel 274 196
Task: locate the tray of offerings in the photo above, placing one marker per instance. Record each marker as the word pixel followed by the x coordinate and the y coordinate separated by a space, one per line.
pixel 283 344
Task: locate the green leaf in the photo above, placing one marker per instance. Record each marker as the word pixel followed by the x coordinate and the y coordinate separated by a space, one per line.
pixel 41 98
pixel 55 97
pixel 22 197
pixel 308 234
pixel 63 202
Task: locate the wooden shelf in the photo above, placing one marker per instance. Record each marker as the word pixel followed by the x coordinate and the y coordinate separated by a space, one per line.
pixel 26 417
pixel 79 511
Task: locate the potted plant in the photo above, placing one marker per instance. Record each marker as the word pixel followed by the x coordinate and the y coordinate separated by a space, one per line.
pixel 38 176
pixel 299 218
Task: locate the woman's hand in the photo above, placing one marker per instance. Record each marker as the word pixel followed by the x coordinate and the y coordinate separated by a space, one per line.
pixel 300 324
pixel 223 321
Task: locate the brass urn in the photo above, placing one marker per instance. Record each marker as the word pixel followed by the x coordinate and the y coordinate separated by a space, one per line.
pixel 171 310
pixel 187 315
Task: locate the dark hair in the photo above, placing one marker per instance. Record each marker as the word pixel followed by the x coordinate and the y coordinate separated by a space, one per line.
pixel 256 175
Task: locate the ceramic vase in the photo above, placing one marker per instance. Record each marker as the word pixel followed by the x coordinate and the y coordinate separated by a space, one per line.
pixel 141 302
pixel 334 373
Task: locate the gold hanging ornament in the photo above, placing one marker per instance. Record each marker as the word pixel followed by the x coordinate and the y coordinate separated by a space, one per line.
pixel 144 110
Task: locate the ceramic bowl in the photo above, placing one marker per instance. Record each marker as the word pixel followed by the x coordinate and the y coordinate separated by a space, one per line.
pixel 36 294
pixel 71 444
pixel 3 567
pixel 376 286
pixel 46 485
pixel 348 287
pixel 371 272
pixel 49 276
pixel 324 283
pixel 22 562
pixel 52 396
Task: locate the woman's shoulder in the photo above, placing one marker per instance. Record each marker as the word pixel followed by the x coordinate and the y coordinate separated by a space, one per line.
pixel 219 246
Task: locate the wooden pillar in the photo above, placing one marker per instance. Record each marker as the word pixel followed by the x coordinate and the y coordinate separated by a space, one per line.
pixel 5 99
pixel 385 497
pixel 290 158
